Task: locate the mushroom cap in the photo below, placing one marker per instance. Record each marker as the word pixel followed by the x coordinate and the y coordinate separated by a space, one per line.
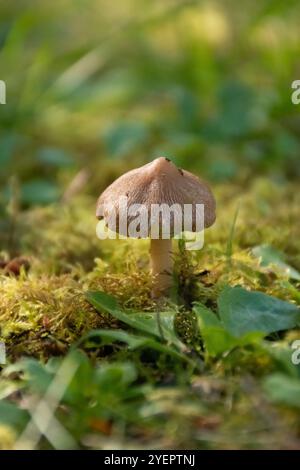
pixel 159 182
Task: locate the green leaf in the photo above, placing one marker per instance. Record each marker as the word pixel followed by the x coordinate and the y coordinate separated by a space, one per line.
pixel 116 376
pixel 11 415
pixel 242 312
pixel 133 341
pixel 55 157
pixel 243 318
pixel 38 377
pixel 216 338
pixel 283 389
pixel 125 137
pixel 110 336
pixel 270 256
pixel 39 192
pixel 159 325
pixel 8 144
pixel 221 169
pixel 282 356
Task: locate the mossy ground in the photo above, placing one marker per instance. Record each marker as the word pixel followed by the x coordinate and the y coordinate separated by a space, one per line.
pixel 44 311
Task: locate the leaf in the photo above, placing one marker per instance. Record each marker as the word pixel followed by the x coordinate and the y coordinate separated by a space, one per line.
pixel 38 377
pixel 221 169
pixel 148 322
pixel 283 389
pixel 125 137
pixel 242 312
pixel 116 376
pixel 133 341
pixel 270 256
pixel 8 144
pixel 238 114
pixel 55 157
pixel 243 318
pixel 110 336
pixel 39 192
pixel 11 415
pixel 282 356
pixel 217 340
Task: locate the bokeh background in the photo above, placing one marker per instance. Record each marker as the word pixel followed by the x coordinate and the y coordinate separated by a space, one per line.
pixel 104 86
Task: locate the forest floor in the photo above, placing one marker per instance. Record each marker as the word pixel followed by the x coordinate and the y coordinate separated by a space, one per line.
pixel 212 367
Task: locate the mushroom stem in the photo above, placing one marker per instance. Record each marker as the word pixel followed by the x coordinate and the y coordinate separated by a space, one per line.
pixel 161 265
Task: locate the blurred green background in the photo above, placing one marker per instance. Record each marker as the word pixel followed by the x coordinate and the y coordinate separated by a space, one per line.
pixel 96 87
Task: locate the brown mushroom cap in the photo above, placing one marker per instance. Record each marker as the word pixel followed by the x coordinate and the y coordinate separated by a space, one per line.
pixel 158 182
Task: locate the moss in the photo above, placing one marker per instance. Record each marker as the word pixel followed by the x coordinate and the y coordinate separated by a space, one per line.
pixel 39 314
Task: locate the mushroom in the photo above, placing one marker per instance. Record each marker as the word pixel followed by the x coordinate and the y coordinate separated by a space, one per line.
pixel 158 185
